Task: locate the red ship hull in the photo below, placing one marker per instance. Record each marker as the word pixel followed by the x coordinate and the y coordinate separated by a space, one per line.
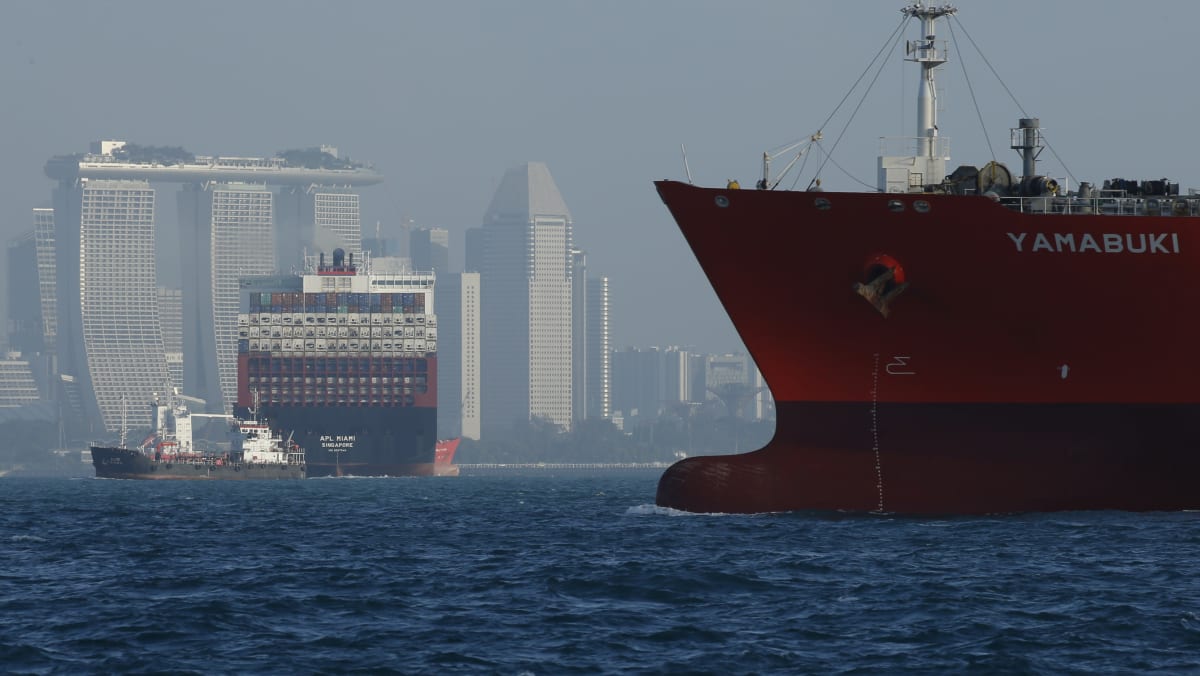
pixel 443 457
pixel 1033 362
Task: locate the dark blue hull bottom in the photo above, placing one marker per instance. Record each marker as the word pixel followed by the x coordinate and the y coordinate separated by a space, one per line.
pixel 359 440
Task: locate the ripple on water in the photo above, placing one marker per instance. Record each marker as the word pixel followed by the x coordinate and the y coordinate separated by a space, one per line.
pixel 571 574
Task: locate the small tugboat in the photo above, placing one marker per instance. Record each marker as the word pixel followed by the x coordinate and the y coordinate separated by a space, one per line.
pixel 257 452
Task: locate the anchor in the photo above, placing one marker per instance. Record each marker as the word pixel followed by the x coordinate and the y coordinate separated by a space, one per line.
pixel 880 291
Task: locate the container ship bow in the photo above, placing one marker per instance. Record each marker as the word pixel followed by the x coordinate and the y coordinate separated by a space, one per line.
pixel 347 358
pixel 971 342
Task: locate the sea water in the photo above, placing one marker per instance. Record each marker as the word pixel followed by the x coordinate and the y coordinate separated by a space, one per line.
pixel 546 572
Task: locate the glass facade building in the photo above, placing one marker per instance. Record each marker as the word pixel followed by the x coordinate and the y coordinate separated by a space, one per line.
pixel 525 280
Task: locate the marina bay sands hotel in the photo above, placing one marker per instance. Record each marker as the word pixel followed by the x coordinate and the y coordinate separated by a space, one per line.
pixel 116 334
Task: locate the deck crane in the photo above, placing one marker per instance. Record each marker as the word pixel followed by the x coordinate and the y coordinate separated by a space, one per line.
pixel 803 144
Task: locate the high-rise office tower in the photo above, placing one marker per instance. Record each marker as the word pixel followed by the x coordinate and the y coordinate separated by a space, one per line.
pixel 458 354
pixel 43 232
pixel 227 232
pixel 17 386
pixel 647 382
pixel 526 306
pixel 638 390
pixel 579 334
pixel 380 242
pixel 473 250
pixel 429 249
pixel 589 336
pixel 317 218
pixel 108 297
pixel 25 326
pixel 170 311
pixel 598 354
pixel 32 302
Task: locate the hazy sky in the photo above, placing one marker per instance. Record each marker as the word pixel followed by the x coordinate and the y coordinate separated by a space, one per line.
pixel 444 96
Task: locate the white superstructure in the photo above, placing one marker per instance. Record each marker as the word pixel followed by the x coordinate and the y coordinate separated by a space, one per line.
pixel 910 164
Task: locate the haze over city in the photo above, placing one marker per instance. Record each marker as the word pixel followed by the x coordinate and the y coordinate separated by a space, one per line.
pixel 443 98
pixel 528 438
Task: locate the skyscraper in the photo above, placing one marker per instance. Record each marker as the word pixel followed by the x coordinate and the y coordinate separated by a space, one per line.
pixel 43 232
pixel 590 346
pixel 25 326
pixel 525 282
pixel 429 249
pixel 227 231
pixel 104 262
pixel 17 386
pixel 170 311
pixel 579 334
pixel 473 250
pixel 32 301
pixel 110 295
pixel 647 382
pixel 380 242
pixel 638 387
pixel 597 358
pixel 317 218
pixel 458 354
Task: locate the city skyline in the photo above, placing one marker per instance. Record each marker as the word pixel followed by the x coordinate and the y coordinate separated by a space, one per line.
pixel 230 224
pixel 444 97
pixel 229 229
pixel 332 214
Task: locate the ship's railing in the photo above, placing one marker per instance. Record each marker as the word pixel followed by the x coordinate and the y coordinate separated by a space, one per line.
pixel 1106 205
pixel 293 460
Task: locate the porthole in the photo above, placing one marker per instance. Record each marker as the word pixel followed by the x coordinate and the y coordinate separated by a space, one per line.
pixel 722 201
pixel 921 207
pixel 822 204
pixel 895 206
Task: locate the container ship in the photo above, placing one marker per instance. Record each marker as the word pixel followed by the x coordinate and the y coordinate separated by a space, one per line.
pixel 972 341
pixel 256 452
pixel 347 359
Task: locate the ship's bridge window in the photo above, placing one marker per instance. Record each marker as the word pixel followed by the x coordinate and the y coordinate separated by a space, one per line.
pixel 895 206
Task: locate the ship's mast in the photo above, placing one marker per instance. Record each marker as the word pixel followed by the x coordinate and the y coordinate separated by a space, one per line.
pixel 923 162
pixel 925 52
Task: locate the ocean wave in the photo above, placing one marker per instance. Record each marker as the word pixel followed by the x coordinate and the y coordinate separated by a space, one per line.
pixel 457 576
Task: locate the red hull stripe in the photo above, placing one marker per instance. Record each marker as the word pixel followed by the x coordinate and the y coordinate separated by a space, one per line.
pixel 953 458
